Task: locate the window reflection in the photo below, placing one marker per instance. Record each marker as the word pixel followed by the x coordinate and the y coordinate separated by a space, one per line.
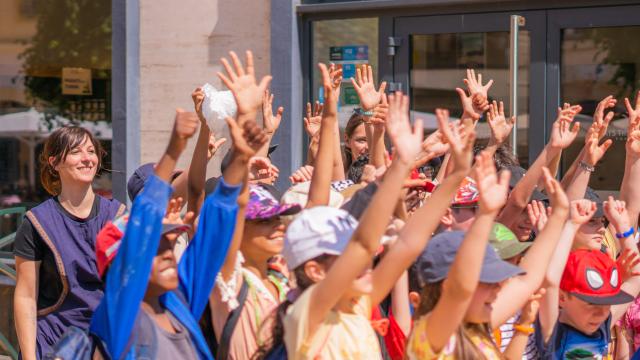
pixel 55 69
pixel 597 62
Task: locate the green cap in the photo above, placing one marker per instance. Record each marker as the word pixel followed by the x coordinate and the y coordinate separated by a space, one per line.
pixel 505 242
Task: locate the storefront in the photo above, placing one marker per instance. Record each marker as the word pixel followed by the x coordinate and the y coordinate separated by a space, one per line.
pixel 569 51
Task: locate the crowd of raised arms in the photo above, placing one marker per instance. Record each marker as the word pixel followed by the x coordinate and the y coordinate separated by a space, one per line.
pixel 396 245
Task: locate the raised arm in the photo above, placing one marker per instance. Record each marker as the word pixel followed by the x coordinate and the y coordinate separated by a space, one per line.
pixel 247 139
pixel 461 282
pixel 515 293
pixel 204 257
pixel 417 232
pixel 378 151
pixel 581 212
pixel 629 191
pixel 366 238
pixel 563 133
pixel 270 122
pixel 617 213
pixel 206 147
pixel 312 122
pixel 500 126
pixel 324 163
pixel 370 98
pixel 128 275
pixel 593 153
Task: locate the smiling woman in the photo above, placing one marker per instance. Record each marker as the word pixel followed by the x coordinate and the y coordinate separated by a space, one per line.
pixel 57 278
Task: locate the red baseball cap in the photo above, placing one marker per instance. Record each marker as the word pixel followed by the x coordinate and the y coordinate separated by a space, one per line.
pixel 109 238
pixel 593 277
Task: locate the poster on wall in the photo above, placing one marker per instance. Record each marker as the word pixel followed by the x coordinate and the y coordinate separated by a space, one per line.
pixel 76 81
pixel 349 58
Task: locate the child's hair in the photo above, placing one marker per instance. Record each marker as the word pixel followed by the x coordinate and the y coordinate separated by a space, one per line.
pixel 354 173
pixel 465 348
pixel 503 157
pixel 354 121
pixel 302 283
pixel 58 145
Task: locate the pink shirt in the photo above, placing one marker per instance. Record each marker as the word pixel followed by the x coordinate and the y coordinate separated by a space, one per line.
pixel 630 323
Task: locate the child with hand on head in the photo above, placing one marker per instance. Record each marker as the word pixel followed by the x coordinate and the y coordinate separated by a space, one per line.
pixel 151 303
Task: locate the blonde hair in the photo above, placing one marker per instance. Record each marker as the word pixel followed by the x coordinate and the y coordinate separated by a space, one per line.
pixel 464 348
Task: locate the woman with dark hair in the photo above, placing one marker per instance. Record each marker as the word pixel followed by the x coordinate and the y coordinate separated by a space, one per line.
pixel 57 278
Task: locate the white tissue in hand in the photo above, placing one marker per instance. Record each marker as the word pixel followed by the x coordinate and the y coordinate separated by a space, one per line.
pixel 217 105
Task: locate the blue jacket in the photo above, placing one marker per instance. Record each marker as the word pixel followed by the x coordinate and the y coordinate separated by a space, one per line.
pixel 115 319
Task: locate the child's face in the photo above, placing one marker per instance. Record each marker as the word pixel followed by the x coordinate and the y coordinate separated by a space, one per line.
pixel 263 238
pixel 522 227
pixel 164 270
pixel 363 284
pixel 590 235
pixel 463 218
pixel 479 312
pixel 581 315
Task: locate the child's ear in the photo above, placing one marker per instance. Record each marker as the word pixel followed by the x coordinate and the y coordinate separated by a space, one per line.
pixel 447 218
pixel 314 271
pixel 414 299
pixel 563 297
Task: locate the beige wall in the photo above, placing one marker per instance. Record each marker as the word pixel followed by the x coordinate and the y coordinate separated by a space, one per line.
pixel 180 46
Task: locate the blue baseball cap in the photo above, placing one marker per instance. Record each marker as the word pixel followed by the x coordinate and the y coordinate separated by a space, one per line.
pixel 435 261
pixel 139 178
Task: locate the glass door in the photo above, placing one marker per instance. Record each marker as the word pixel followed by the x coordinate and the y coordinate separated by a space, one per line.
pixel 435 52
pixel 594 53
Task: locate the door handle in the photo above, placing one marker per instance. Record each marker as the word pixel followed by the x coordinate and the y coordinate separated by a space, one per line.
pixel 516 22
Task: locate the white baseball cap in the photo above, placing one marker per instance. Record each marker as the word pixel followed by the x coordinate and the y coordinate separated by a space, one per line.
pixel 317 231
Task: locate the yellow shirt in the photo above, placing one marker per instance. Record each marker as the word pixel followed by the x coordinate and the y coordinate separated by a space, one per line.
pixel 341 336
pixel 418 346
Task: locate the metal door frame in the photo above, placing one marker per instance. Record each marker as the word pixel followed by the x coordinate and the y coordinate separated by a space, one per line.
pixel 404 27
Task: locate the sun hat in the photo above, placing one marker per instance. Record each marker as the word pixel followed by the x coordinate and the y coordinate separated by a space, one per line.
pixel 317 231
pixel 263 205
pixel 435 261
pixel 506 243
pixel 591 276
pixel 299 194
pixel 110 236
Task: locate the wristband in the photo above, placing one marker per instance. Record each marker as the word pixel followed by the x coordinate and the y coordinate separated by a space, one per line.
pixel 363 112
pixel 524 329
pixel 626 234
pixel 587 167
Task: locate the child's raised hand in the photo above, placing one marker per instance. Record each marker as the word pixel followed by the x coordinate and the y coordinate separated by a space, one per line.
pixel 557 196
pixel 198 98
pixel 260 168
pixel 460 144
pixel 600 119
pixel 633 111
pixel 303 174
pixel 627 263
pixel 478 92
pixel 381 112
pixel 562 132
pixel 247 138
pixel 242 83
pixel 582 210
pixel 407 141
pixel 538 214
pixel 173 216
pixel 492 188
pixel 185 125
pixel 530 310
pixel 313 119
pixel 331 81
pixel 366 88
pixel 271 122
pixel 214 145
pixel 616 212
pixel 595 151
pixel 500 126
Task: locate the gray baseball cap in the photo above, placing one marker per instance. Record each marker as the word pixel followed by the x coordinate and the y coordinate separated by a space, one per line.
pixel 436 259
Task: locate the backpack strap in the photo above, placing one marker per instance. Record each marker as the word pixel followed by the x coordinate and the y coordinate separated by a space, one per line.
pixel 232 321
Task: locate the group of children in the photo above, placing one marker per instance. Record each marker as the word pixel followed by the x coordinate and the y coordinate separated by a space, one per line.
pixel 426 249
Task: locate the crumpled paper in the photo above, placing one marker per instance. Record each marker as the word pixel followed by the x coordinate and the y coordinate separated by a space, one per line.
pixel 217 105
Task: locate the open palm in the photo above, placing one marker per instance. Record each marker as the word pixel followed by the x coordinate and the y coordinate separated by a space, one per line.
pixel 242 83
